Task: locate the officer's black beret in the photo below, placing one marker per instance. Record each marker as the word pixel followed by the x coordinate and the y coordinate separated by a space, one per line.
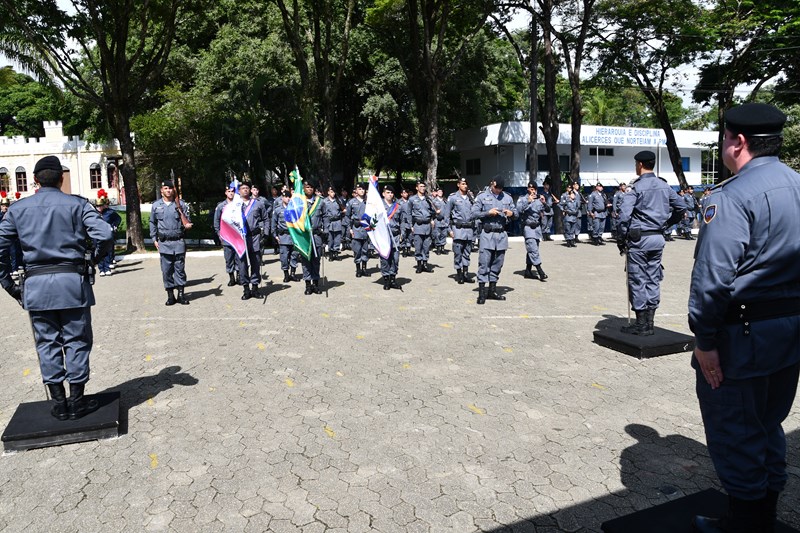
pixel 246 182
pixel 644 156
pixel 388 188
pixel 330 188
pixel 598 184
pixel 421 181
pixel 50 162
pixel 499 183
pixel 168 183
pixel 361 184
pixel 755 119
pixel 532 184
pixel 309 182
pixel 462 179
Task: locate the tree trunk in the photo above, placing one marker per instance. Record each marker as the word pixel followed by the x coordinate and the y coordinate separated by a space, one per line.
pixel 533 148
pixel 672 146
pixel 549 114
pixel 429 125
pixel 576 122
pixel 133 208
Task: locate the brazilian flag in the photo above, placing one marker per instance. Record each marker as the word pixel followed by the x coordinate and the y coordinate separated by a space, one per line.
pixel 298 216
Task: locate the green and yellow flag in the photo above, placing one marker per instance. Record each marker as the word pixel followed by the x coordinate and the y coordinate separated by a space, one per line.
pixel 298 216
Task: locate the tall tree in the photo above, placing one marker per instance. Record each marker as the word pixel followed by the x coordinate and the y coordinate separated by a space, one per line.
pixel 318 33
pixel 648 41
pixel 753 43
pixel 107 53
pixel 429 38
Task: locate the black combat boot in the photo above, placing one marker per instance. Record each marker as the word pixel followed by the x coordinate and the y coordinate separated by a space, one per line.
pixel 481 293
pixel 528 271
pixel 231 279
pixel 393 282
pixel 542 275
pixel 648 329
pixel 638 326
pixel 59 399
pixel 286 276
pixel 246 292
pixel 467 278
pixel 386 283
pixel 315 287
pixel 358 270
pixel 418 270
pixel 254 292
pixel 600 241
pixel 492 293
pixel 308 290
pixel 77 404
pixel 744 516
pixel 170 297
pixel 182 297
pixel 364 270
pixel 293 274
pixel 426 267
pixel 460 276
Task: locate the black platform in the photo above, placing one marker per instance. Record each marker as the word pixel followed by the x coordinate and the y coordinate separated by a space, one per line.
pixel 32 425
pixel 662 342
pixel 676 516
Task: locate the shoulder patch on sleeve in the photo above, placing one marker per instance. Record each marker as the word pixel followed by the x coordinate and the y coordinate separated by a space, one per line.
pixel 710 213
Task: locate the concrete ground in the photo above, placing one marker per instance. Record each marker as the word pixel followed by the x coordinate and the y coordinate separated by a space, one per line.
pixel 369 410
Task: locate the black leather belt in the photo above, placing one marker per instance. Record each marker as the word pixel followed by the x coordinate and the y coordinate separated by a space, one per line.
pixel 168 239
pixel 645 233
pixel 746 312
pixel 281 232
pixel 498 230
pixel 533 225
pixel 422 221
pixel 54 269
pixel 463 226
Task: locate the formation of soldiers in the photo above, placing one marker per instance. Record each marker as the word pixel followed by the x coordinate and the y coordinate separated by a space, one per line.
pixel 420 223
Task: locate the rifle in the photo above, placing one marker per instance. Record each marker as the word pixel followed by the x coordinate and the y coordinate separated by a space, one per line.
pixel 178 207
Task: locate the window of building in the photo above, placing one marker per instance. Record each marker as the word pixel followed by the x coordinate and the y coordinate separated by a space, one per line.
pixel 685 164
pixel 602 152
pixel 95 176
pixel 5 181
pixel 473 167
pixel 22 180
pixel 544 165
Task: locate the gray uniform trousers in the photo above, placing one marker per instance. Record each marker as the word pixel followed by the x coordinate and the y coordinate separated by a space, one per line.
pixel 230 258
pixel 461 252
pixel 173 270
pixel 645 272
pixel 70 328
pixel 532 249
pixel 389 265
pixel 288 256
pixel 249 265
pixel 311 266
pixel 360 249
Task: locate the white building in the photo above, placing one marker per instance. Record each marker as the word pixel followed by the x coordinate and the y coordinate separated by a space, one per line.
pixel 606 153
pixel 87 167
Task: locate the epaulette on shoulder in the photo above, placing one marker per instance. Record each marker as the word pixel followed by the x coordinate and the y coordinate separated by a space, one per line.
pixel 662 179
pixel 724 183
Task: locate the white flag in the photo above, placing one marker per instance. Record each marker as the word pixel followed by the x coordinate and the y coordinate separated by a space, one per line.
pixel 375 220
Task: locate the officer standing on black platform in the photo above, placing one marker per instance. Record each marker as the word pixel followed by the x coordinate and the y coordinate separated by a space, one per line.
pixel 54 230
pixel 647 208
pixel 744 309
pixel 169 219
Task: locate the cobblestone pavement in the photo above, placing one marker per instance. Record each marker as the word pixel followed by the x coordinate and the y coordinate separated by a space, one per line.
pixel 369 410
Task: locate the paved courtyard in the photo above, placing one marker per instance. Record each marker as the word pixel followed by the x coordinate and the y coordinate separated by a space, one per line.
pixel 369 410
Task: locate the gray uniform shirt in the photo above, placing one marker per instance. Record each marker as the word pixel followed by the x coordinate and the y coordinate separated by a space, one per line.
pixel 420 212
pixel 459 207
pixel 166 227
pixel 354 212
pixel 52 228
pixel 332 214
pixel 493 234
pixel 597 204
pixel 530 215
pixel 648 204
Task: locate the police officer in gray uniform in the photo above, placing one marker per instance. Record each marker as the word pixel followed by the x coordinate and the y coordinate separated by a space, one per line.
pixel 616 205
pixel 405 224
pixel 256 221
pixel 547 214
pixel 597 208
pixel 441 224
pixel 54 230
pixel 288 254
pixel 358 234
pixel 744 309
pixel 169 218
pixel 647 207
pixel 421 211
pixel 395 214
pixel 459 209
pixel 688 218
pixel 311 266
pixel 227 250
pixel 332 214
pixel 529 209
pixel 570 209
pixel 496 209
